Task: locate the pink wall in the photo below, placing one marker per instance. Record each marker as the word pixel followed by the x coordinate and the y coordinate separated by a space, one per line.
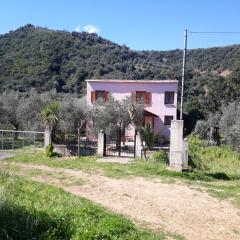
pixel 119 89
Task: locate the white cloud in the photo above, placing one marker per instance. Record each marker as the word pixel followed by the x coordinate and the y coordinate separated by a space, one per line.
pixel 91 29
pixel 78 28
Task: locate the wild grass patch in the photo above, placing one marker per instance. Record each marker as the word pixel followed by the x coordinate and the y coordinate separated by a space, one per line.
pixel 219 162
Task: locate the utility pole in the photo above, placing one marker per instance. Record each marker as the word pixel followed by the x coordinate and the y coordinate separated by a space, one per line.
pixel 183 72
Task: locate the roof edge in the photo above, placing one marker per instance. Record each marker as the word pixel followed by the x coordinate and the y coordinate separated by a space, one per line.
pixel 131 80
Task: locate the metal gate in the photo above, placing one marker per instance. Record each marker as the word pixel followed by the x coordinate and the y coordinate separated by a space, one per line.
pixel 22 141
pixel 120 145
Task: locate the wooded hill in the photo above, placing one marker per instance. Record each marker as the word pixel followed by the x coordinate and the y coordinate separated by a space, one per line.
pixel 45 59
pixel 35 57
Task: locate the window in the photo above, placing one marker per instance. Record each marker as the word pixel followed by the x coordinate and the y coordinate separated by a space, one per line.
pixel 169 98
pixel 167 120
pixel 142 97
pixel 99 95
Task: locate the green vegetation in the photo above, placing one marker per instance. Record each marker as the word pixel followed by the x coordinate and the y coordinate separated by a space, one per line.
pixel 160 156
pixel 216 169
pixel 139 167
pixel 224 190
pixel 148 136
pixel 206 163
pixel 62 61
pixel 49 150
pixel 216 161
pixel 37 211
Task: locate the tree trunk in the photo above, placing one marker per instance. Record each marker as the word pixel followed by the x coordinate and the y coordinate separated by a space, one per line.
pixel 48 136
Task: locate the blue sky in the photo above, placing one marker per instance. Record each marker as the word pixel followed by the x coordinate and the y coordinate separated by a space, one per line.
pixel 140 24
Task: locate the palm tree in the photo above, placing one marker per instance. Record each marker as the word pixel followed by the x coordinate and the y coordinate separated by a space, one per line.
pixel 50 118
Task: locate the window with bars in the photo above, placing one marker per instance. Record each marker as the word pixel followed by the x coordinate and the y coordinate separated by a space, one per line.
pixel 169 98
pixel 167 120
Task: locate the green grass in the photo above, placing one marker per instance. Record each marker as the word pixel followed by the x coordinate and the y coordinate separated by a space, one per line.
pixel 30 210
pixel 230 191
pixel 219 162
pixel 216 168
pixel 138 168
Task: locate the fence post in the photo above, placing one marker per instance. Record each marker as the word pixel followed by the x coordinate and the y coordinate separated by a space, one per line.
pixel 34 142
pixel 12 141
pixel 2 140
pixel 78 132
pixel 119 142
pixel 138 146
pixel 185 153
pixel 101 144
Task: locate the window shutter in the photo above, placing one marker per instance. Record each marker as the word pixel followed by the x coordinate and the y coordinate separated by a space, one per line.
pixel 93 96
pixel 148 99
pixel 106 96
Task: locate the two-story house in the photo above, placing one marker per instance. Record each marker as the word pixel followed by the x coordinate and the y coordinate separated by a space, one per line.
pixel 160 97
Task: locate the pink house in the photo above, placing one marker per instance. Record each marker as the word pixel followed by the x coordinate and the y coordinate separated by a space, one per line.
pixel 160 97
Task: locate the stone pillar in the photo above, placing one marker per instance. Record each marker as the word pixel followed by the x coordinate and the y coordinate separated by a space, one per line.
pixel 176 146
pixel 138 146
pixel 101 143
pixel 46 138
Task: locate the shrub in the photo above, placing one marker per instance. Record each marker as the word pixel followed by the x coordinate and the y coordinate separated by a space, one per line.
pixel 160 156
pixel 49 150
pixel 148 136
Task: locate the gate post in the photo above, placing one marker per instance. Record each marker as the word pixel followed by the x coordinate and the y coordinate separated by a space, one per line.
pixel 138 146
pixel 101 144
pixel 119 136
pixel 176 146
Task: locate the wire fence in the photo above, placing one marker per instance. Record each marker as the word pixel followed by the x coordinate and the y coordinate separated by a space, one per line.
pixel 22 141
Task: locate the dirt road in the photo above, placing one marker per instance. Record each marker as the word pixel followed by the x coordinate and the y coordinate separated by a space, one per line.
pixel 172 207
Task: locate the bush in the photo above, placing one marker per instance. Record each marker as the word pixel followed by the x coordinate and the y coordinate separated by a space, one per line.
pixel 148 136
pixel 160 156
pixel 49 150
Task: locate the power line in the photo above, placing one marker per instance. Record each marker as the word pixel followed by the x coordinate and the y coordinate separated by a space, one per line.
pixel 186 35
pixel 193 32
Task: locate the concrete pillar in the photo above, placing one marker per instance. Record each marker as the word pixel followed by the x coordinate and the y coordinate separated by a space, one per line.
pixel 101 143
pixel 138 146
pixel 176 146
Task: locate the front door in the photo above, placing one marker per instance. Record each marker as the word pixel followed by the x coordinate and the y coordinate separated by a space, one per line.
pixel 149 120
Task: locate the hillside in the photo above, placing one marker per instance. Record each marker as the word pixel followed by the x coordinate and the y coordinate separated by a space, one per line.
pixel 46 59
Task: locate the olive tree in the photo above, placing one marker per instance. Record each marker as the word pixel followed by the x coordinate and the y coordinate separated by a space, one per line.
pixel 10 103
pixel 74 112
pixel 115 115
pixel 229 124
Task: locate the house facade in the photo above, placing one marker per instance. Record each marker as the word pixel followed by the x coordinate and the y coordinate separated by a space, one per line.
pixel 159 96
